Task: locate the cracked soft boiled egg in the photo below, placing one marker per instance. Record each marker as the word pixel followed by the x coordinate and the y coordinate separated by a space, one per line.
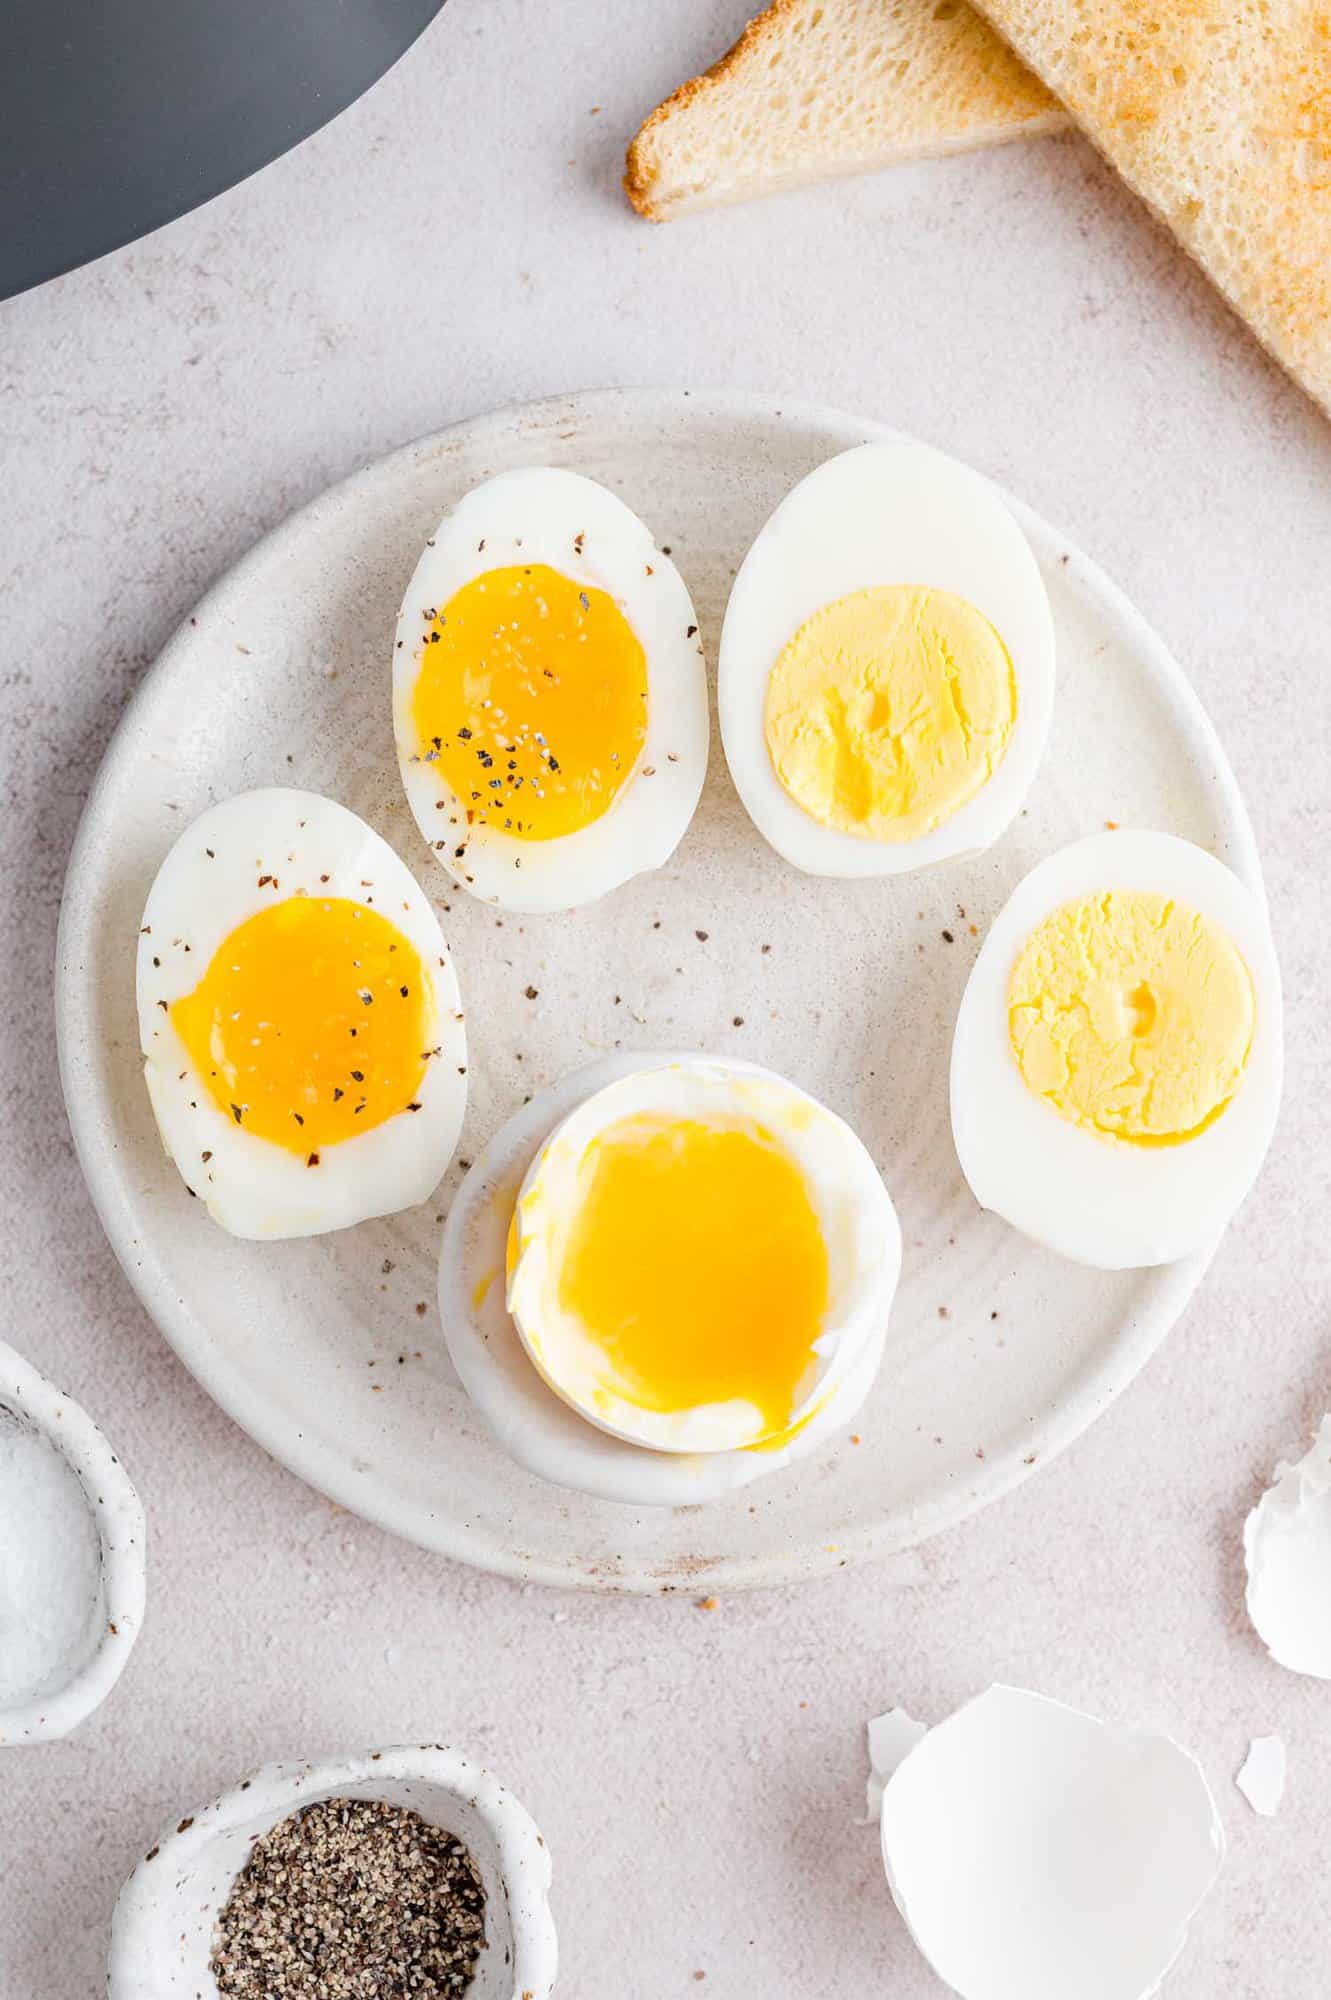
pixel 537 1427
pixel 887 665
pixel 1117 1060
pixel 698 1255
pixel 549 694
pixel 302 1034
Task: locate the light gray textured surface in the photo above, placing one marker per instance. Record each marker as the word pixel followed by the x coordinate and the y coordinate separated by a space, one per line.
pixel 456 241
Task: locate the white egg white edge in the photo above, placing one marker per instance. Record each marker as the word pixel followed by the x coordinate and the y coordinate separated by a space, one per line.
pixel 943 1776
pixel 251 1187
pixel 1114 1207
pixel 845 541
pixel 533 1424
pixel 533 515
pixel 855 1212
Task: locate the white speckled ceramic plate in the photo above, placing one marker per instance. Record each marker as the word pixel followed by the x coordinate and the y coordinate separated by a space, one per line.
pixel 328 1351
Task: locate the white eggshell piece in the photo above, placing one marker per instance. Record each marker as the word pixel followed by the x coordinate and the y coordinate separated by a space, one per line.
pixel 1036 1853
pixel 1261 1778
pixel 892 1737
pixel 1111 1205
pixel 537 1428
pixel 890 512
pixel 1287 1549
pixel 213 879
pixel 541 514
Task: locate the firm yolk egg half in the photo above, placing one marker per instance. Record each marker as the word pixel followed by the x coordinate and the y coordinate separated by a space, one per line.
pixel 888 710
pixel 531 701
pixel 696 1266
pixel 1132 1016
pixel 312 1024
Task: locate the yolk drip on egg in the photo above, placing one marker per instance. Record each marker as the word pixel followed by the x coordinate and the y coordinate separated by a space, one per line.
pixel 889 709
pixel 1132 1016
pixel 696 1265
pixel 312 1024
pixel 532 701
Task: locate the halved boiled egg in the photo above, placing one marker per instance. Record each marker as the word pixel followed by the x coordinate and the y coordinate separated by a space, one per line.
pixel 886 673
pixel 302 1034
pixel 716 1355
pixel 549 694
pixel 1117 1061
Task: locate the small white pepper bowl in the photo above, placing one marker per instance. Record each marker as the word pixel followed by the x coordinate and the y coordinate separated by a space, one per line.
pixel 162 1933
pixel 116 1613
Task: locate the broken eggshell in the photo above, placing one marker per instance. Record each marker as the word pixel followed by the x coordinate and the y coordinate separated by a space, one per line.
pixel 1261 1777
pixel 892 1737
pixel 1287 1549
pixel 1035 1852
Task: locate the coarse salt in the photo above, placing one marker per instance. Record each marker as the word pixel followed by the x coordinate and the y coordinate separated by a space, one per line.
pixel 50 1565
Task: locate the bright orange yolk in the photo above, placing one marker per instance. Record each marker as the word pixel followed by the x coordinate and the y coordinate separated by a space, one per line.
pixel 312 1024
pixel 697 1265
pixel 532 701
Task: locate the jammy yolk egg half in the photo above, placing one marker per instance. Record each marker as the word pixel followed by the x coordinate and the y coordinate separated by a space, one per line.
pixel 697 1256
pixel 310 1024
pixel 1117 1060
pixel 887 665
pixel 532 697
pixel 302 1034
pixel 549 696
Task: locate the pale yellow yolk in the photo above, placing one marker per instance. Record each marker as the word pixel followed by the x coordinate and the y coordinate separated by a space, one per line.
pixel 532 701
pixel 312 1024
pixel 697 1265
pixel 1132 1016
pixel 889 709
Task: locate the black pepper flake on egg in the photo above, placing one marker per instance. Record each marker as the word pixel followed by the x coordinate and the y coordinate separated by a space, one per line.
pixel 313 1160
pixel 237 1113
pixel 948 938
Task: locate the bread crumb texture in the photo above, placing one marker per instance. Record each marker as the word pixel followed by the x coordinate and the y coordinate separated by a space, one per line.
pixel 1218 113
pixel 815 88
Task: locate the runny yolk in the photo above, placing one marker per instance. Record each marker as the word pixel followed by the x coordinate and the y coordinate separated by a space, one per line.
pixel 1132 1016
pixel 312 1024
pixel 696 1264
pixel 889 709
pixel 532 701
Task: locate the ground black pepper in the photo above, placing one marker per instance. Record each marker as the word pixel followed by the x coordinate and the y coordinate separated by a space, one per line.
pixel 351 1899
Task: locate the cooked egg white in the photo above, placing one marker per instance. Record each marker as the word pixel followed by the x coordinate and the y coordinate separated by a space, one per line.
pixel 698 1254
pixel 886 671
pixel 549 693
pixel 542 1431
pixel 302 1034
pixel 1117 1060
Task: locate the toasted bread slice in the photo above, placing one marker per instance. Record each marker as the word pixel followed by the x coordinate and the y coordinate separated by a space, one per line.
pixel 814 88
pixel 1218 113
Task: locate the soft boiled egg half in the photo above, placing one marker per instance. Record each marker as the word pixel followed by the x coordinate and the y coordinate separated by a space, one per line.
pixel 549 694
pixel 302 1034
pixel 886 671
pixel 1117 1061
pixel 667 1276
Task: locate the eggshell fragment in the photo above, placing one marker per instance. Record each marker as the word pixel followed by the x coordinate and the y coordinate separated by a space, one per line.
pixel 892 1737
pixel 1036 1853
pixel 1287 1548
pixel 1261 1778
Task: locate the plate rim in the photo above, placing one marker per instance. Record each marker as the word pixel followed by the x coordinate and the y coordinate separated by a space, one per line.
pixel 1096 1385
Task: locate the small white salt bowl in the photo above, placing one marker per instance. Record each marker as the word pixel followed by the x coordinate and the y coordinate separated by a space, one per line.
pixel 65 1696
pixel 165 1918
